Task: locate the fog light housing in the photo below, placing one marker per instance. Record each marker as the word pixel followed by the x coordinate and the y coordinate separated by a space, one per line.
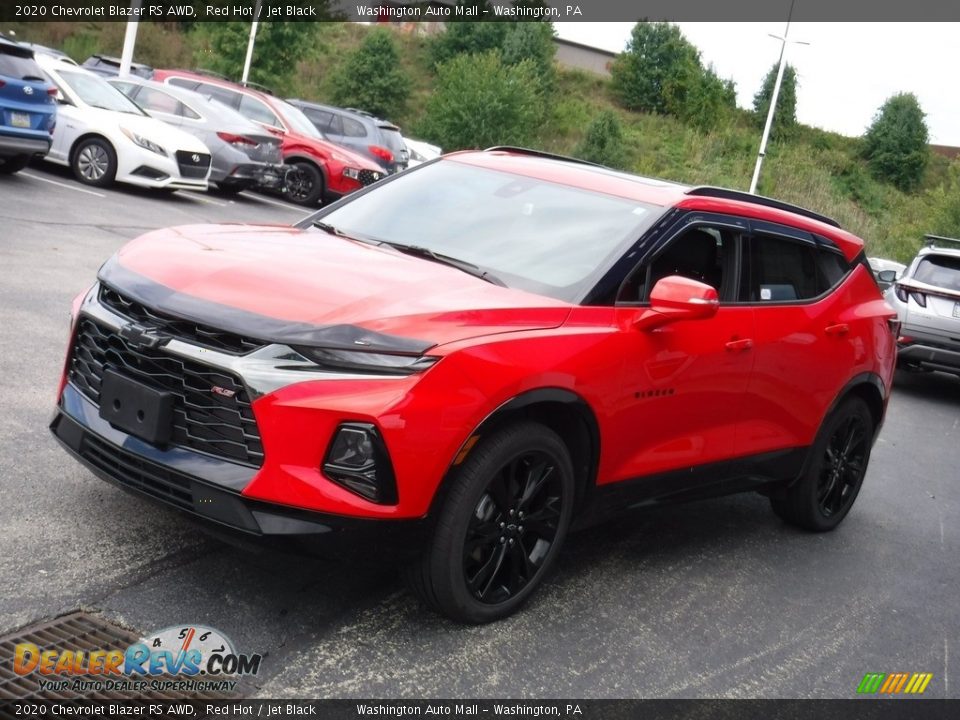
pixel 357 459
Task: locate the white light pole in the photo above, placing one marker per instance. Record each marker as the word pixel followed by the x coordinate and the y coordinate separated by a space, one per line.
pixel 251 42
pixel 781 66
pixel 130 39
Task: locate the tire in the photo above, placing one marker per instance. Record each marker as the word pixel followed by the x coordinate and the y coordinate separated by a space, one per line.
pixel 94 162
pixel 11 165
pixel 833 473
pixel 500 527
pixel 304 184
pixel 230 190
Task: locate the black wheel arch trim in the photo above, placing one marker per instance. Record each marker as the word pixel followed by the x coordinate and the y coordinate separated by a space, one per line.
pixel 519 403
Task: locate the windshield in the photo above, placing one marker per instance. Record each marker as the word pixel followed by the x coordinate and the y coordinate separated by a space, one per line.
pixel 297 121
pixel 940 271
pixel 97 92
pixel 532 234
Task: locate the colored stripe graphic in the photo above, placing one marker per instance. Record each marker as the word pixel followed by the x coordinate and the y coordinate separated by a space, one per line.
pixel 894 683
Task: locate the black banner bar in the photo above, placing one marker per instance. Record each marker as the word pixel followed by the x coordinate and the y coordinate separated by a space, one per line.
pixel 852 11
pixel 856 709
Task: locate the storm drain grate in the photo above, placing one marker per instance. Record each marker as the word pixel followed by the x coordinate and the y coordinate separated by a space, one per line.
pixel 73 632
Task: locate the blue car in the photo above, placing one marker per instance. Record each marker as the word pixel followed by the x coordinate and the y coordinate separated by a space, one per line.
pixel 28 107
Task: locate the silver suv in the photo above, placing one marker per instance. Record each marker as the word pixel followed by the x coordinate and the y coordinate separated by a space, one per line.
pixel 927 300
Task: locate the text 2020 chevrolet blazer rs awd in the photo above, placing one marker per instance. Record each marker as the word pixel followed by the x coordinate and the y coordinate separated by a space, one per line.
pixel 468 359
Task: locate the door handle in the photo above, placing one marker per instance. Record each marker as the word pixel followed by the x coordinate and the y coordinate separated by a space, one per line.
pixel 838 329
pixel 740 345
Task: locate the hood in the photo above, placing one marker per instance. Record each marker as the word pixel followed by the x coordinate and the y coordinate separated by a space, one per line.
pixel 306 287
pixel 338 153
pixel 167 136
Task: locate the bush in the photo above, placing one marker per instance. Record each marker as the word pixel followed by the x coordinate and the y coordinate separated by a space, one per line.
pixel 785 114
pixel 371 78
pixel 895 145
pixel 603 142
pixel 480 101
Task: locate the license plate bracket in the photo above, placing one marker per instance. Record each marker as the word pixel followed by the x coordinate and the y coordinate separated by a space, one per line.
pixel 136 408
pixel 20 120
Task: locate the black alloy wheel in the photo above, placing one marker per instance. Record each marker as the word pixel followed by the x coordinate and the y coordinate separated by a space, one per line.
pixel 513 527
pixel 500 526
pixel 304 184
pixel 833 474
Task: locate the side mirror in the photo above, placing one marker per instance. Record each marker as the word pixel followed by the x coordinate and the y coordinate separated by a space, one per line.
pixel 887 276
pixel 676 298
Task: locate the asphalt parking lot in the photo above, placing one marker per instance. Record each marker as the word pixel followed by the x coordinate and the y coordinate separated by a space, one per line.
pixel 713 599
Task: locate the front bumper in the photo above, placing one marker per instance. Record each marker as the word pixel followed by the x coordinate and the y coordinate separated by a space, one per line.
pixel 209 490
pixel 928 351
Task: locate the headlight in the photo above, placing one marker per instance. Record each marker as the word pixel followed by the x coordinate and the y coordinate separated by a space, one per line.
pixel 358 460
pixel 143 142
pixel 351 173
pixel 376 363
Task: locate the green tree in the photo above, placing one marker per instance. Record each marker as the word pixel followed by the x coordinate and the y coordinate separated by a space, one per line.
pixel 279 47
pixel 896 143
pixel 655 69
pixel 603 142
pixel 480 101
pixel 785 115
pixel 467 37
pixel 371 77
pixel 531 41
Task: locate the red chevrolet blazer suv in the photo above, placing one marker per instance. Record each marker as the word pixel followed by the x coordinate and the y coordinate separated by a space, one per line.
pixel 465 361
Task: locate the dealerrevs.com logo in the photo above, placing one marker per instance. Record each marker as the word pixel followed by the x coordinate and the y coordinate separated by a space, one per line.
pixel 179 658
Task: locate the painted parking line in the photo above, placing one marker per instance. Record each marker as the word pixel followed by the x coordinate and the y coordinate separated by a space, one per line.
pixel 202 198
pixel 295 208
pixel 63 185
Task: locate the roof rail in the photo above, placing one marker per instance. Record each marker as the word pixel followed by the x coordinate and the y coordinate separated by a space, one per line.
pixel 932 240
pixel 709 191
pixel 542 154
pixel 256 86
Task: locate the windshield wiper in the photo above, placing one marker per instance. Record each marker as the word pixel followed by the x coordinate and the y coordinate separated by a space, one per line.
pixel 328 228
pixel 467 267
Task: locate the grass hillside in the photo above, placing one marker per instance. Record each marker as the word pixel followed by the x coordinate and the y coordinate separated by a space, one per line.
pixel 813 168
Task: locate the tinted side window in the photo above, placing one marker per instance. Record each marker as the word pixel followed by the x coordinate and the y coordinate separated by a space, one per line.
pixel 257 111
pixel 320 118
pixel 227 97
pixel 779 270
pixel 352 128
pixel 184 83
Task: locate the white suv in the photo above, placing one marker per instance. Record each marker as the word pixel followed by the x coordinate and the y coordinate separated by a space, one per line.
pixel 927 301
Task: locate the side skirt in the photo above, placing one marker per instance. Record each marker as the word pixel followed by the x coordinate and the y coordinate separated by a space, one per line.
pixel 753 473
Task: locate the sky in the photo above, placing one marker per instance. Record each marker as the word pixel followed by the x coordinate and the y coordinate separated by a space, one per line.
pixel 846 72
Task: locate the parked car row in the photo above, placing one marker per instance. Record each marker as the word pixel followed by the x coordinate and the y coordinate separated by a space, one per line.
pixel 181 129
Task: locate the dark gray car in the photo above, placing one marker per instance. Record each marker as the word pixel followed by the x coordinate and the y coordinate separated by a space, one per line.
pixel 359 131
pixel 244 154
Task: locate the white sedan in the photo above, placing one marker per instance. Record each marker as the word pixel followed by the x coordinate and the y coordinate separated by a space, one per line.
pixel 104 137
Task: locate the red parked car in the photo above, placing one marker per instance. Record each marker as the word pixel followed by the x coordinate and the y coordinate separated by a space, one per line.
pixel 320 170
pixel 468 359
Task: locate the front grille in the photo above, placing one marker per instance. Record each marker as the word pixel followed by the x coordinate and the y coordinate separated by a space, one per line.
pixel 193 165
pixel 203 420
pixel 185 330
pixel 369 177
pixel 134 472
